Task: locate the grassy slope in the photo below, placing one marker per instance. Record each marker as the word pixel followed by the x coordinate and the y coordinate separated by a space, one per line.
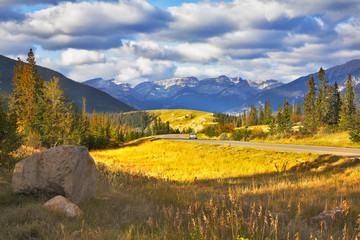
pixel 177 118
pixel 170 190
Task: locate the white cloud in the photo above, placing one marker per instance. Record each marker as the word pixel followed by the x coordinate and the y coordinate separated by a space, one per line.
pixel 76 56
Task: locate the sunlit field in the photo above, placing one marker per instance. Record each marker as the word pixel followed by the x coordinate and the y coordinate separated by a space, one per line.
pixel 159 189
pixel 338 139
pixel 183 118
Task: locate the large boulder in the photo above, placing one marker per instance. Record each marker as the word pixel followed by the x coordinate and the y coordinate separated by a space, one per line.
pixel 66 170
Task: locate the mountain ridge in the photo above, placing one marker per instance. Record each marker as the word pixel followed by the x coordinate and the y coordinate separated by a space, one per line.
pixel 210 94
pixel 95 99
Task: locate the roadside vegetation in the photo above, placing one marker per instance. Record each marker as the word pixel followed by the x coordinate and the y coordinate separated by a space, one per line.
pixel 148 189
pixel 324 118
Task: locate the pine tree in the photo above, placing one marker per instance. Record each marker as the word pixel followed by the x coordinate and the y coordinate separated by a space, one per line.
pixel 309 106
pixel 57 118
pixel 297 114
pixel 322 100
pixel 261 115
pixel 286 117
pixel 9 138
pixel 253 116
pixel 267 113
pixel 26 99
pixel 348 106
pixel 333 117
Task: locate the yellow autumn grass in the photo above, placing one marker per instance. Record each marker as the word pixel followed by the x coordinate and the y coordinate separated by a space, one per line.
pixel 160 189
pixel 337 139
pixel 183 118
pixel 188 161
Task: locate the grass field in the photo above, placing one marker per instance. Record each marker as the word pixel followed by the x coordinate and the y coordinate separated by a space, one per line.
pixel 337 139
pixel 157 189
pixel 182 118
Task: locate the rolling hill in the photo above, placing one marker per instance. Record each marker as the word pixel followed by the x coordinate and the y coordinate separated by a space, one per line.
pixel 95 99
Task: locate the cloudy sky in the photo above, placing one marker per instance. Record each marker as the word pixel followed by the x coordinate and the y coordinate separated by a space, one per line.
pixel 145 40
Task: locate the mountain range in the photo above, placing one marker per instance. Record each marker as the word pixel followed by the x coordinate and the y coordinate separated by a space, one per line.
pixel 95 99
pixel 212 94
pixel 221 94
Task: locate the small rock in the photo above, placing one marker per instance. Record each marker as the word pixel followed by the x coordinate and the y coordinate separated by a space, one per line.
pixel 282 218
pixel 61 204
pixel 330 216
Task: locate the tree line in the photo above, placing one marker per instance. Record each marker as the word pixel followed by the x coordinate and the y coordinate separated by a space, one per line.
pixel 39 114
pixel 324 107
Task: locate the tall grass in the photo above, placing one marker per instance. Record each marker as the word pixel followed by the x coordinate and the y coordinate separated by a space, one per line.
pixel 175 190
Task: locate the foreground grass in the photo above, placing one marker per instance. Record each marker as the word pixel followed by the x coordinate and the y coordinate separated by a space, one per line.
pixel 170 190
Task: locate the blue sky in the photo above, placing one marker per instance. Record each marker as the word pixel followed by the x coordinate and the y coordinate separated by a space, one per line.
pixel 138 40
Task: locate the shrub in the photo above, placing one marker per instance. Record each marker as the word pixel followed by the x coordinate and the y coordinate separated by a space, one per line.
pixel 224 136
pixel 241 134
pixel 258 132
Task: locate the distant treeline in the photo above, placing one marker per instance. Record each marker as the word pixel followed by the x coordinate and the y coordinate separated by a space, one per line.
pixel 39 114
pixel 324 107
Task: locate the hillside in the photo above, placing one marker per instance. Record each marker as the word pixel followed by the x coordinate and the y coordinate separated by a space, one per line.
pixel 182 118
pixel 95 99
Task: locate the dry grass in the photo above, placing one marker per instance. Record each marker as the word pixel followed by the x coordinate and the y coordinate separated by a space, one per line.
pixel 148 190
pixel 183 118
pixel 338 139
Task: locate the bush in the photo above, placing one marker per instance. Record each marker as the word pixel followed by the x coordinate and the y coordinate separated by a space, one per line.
pixel 258 132
pixel 224 136
pixel 210 131
pixel 241 134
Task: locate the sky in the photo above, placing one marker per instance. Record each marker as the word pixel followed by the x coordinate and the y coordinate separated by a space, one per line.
pixel 133 41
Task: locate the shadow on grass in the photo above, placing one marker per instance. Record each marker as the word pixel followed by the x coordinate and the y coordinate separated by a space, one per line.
pixel 323 165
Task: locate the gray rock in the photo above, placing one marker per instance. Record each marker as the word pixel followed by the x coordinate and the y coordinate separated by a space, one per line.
pixel 63 205
pixel 332 216
pixel 66 170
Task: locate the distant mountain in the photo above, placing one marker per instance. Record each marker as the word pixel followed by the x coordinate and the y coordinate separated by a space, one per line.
pixel 95 99
pixel 212 94
pixel 297 89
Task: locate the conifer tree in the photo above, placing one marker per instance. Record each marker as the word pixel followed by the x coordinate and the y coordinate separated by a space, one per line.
pixel 309 106
pixel 57 117
pixel 333 117
pixel 253 116
pixel 267 113
pixel 348 106
pixel 26 98
pixel 261 115
pixel 322 100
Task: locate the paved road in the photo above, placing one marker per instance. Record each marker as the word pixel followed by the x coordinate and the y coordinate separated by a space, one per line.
pixel 348 152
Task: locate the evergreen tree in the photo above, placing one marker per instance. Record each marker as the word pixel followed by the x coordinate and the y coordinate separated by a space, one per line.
pixel 267 113
pixel 296 114
pixel 283 119
pixel 244 119
pixel 261 115
pixel 57 119
pixel 348 106
pixel 335 105
pixel 322 100
pixel 9 138
pixel 26 98
pixel 309 106
pixel 253 116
